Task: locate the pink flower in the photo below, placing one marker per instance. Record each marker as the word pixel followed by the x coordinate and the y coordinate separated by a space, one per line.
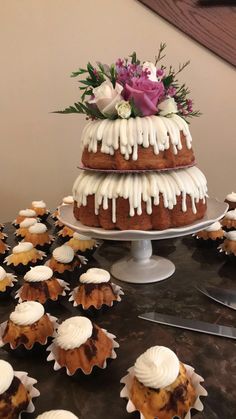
pixel 145 94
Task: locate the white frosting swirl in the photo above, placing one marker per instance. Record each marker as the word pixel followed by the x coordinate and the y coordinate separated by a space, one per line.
pixel 214 227
pixel 38 228
pixel 231 197
pixel 22 247
pixel 28 222
pixel 38 273
pixel 27 313
pixel 158 367
pixel 80 237
pixel 3 273
pixel 95 276
pixel 231 235
pixel 67 200
pixel 27 213
pixel 57 414
pixel 231 215
pixel 73 332
pixel 6 376
pixel 63 254
pixel 38 204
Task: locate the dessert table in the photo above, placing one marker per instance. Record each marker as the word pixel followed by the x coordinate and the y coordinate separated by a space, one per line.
pixel 214 358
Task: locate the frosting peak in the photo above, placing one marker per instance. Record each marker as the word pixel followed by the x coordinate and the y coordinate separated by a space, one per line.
pixel 38 204
pixel 231 197
pixel 27 313
pixel 38 228
pixel 68 200
pixel 214 227
pixel 28 222
pixel 158 367
pixel 73 332
pixel 38 273
pixel 231 235
pixel 80 237
pixel 3 273
pixel 27 213
pixel 6 377
pixel 22 247
pixel 231 215
pixel 63 254
pixel 95 276
pixel 57 414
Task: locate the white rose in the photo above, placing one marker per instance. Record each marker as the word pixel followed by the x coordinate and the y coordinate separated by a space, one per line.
pixel 123 109
pixel 106 97
pixel 167 107
pixel 152 69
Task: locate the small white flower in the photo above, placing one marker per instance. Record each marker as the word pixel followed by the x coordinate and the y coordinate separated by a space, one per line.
pixel 106 97
pixel 167 107
pixel 152 69
pixel 123 109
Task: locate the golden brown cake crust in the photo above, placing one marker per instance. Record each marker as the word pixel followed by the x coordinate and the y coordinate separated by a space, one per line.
pixel 226 222
pixel 37 239
pixel 160 219
pixel 147 159
pixel 65 231
pixel 14 400
pixel 6 282
pixel 93 352
pixel 3 247
pixel 212 235
pixel 95 295
pixel 39 331
pixel 41 291
pixel 229 246
pixel 166 403
pixel 62 267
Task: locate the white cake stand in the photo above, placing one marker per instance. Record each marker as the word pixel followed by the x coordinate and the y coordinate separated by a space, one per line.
pixel 141 267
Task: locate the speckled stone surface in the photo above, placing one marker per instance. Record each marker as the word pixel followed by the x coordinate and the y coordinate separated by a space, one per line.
pixel 97 396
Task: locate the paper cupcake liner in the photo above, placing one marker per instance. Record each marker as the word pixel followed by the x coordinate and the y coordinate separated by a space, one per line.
pixel 196 381
pixel 3 325
pixel 56 367
pixel 116 289
pixel 28 383
pixel 63 284
pixel 40 253
pixel 13 279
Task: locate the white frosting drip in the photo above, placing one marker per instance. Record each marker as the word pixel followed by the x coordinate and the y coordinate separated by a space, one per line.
pixel 38 204
pixel 158 367
pixel 73 332
pixel 126 134
pixel 95 276
pixel 27 213
pixel 214 227
pixel 28 222
pixel 38 228
pixel 63 254
pixel 231 215
pixel 27 313
pixel 231 197
pixel 57 414
pixel 22 247
pixel 3 273
pixel 231 235
pixel 80 237
pixel 6 376
pixel 38 273
pixel 67 200
pixel 138 188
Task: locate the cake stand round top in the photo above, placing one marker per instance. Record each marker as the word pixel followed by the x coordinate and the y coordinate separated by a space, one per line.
pixel 215 211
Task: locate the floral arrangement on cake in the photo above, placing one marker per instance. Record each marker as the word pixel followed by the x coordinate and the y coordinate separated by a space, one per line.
pixel 130 88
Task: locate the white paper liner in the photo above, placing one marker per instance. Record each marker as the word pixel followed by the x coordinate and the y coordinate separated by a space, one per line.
pixel 82 259
pixel 13 279
pixel 40 253
pixel 116 289
pixel 63 284
pixel 193 377
pixel 3 325
pixel 221 250
pixel 28 383
pixel 56 367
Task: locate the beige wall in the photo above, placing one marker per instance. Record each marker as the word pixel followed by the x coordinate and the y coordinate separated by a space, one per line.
pixel 42 41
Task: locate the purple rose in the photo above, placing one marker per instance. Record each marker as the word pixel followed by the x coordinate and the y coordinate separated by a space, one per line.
pixel 145 94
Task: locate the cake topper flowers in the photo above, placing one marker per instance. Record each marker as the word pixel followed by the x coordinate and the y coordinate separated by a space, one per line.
pixel 130 88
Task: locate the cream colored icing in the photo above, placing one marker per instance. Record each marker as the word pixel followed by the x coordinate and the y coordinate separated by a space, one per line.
pixel 231 215
pixel 73 332
pixel 80 237
pixel 22 247
pixel 27 213
pixel 157 368
pixel 63 254
pixel 231 235
pixel 126 134
pixel 67 200
pixel 231 197
pixel 57 414
pixel 138 188
pixel 28 222
pixel 95 276
pixel 27 313
pixel 6 376
pixel 38 228
pixel 3 273
pixel 214 227
pixel 38 204
pixel 38 273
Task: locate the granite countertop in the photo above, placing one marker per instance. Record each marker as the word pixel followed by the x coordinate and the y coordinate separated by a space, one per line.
pixel 97 396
